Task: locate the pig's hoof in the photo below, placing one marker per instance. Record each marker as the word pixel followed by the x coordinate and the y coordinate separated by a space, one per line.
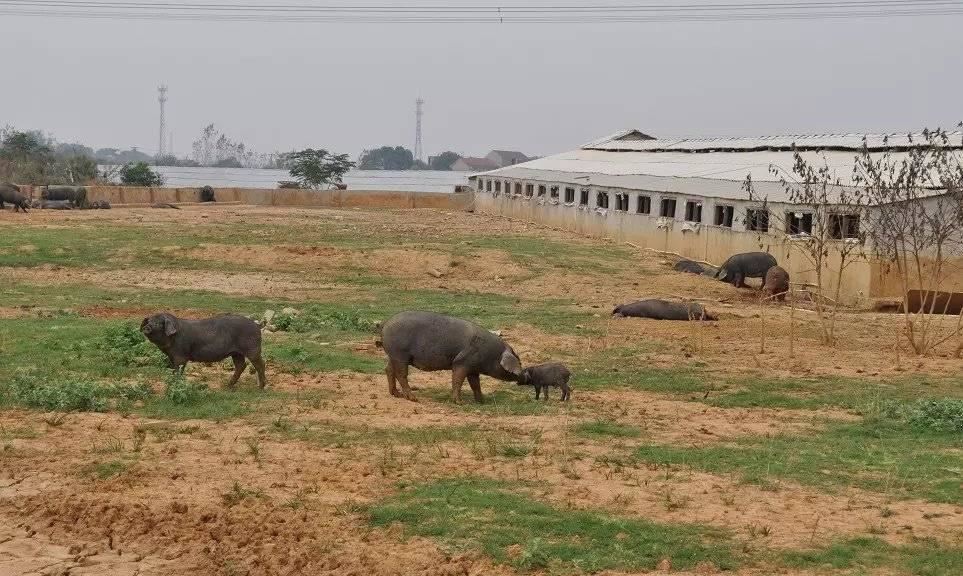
pixel 411 398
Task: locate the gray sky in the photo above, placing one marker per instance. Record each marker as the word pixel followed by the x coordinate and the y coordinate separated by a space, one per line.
pixel 537 88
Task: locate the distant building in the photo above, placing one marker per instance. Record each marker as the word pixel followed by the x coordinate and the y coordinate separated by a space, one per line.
pixel 687 196
pixel 503 158
pixel 474 165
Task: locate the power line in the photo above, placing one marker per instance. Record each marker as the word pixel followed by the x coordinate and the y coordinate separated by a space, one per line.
pixel 678 11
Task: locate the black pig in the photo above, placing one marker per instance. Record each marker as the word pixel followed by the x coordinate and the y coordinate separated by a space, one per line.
pixel 207 340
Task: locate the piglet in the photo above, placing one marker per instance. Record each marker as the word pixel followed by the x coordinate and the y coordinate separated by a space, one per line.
pixel 546 375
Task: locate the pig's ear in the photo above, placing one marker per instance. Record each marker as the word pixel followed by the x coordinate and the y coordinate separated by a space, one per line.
pixel 510 363
pixel 143 324
pixel 170 325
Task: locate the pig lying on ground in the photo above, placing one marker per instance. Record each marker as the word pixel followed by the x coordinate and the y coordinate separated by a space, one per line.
pixel 431 342
pixel 165 205
pixel 663 310
pixel 207 340
pixel 56 205
pixel 545 376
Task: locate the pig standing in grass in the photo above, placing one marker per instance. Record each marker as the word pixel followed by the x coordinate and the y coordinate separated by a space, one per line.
pixel 207 340
pixel 545 376
pixel 432 342
pixel 10 193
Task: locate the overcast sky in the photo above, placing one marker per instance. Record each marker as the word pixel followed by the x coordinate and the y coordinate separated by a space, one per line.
pixel 537 88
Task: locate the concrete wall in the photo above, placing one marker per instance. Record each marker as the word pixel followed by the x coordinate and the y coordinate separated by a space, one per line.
pixel 286 197
pixel 704 242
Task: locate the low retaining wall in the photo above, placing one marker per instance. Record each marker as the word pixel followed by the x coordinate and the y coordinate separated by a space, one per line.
pixel 709 243
pixel 118 195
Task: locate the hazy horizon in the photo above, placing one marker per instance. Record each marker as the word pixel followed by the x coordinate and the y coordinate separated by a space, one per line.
pixel 540 89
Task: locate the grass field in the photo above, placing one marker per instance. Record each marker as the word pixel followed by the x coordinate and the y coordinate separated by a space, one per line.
pixel 686 447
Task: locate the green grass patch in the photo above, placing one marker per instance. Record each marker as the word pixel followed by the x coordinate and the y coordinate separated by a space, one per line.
pixel 299 355
pixel 838 392
pixel 881 454
pixel 606 428
pixel 922 558
pixel 507 399
pixel 516 529
pixel 186 400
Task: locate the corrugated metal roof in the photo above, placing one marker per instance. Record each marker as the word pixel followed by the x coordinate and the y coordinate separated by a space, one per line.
pixel 839 142
pixel 716 174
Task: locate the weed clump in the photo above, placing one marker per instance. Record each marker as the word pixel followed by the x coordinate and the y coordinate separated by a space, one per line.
pixel 30 390
pixel 123 344
pixel 316 318
pixel 932 415
pixel 182 392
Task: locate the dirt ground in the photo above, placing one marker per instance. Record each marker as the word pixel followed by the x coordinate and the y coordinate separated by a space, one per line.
pixel 168 513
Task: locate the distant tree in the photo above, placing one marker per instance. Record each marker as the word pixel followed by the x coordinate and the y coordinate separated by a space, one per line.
pixel 140 174
pixel 444 160
pixel 316 169
pixel 228 163
pixel 214 148
pixel 75 169
pixel 419 165
pixel 25 157
pixel 387 158
pixel 171 160
pixel 115 157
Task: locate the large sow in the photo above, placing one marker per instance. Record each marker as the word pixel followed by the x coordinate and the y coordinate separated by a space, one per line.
pixel 431 342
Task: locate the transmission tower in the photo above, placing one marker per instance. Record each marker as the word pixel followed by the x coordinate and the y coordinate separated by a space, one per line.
pixel 419 112
pixel 162 98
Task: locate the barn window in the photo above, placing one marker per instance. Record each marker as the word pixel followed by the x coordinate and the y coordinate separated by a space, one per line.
pixel 602 200
pixel 554 192
pixel 583 197
pixel 541 191
pixel 570 195
pixel 843 226
pixel 480 184
pixel 668 208
pixel 498 185
pixel 693 211
pixel 518 188
pixel 529 190
pixel 799 223
pixel 724 216
pixel 488 185
pixel 643 204
pixel 622 202
pixel 757 220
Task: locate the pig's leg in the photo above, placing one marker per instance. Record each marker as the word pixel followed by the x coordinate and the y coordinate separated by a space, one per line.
pixel 401 373
pixel 458 375
pixel 259 366
pixel 475 382
pixel 392 381
pixel 239 364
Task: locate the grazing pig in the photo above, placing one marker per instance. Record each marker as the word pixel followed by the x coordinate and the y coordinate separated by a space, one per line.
pixel 777 282
pixel 663 310
pixel 165 205
pixel 738 267
pixel 545 376
pixel 431 342
pixel 11 193
pixel 207 340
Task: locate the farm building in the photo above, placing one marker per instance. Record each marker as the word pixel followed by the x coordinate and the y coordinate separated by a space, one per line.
pixel 688 196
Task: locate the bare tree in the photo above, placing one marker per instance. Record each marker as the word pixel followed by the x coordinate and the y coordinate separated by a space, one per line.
pixel 832 239
pixel 916 225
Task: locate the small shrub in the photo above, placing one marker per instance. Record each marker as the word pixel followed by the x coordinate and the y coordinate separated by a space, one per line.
pixel 315 318
pixel 69 395
pixel 942 415
pixel 182 392
pixel 125 345
pixel 934 415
